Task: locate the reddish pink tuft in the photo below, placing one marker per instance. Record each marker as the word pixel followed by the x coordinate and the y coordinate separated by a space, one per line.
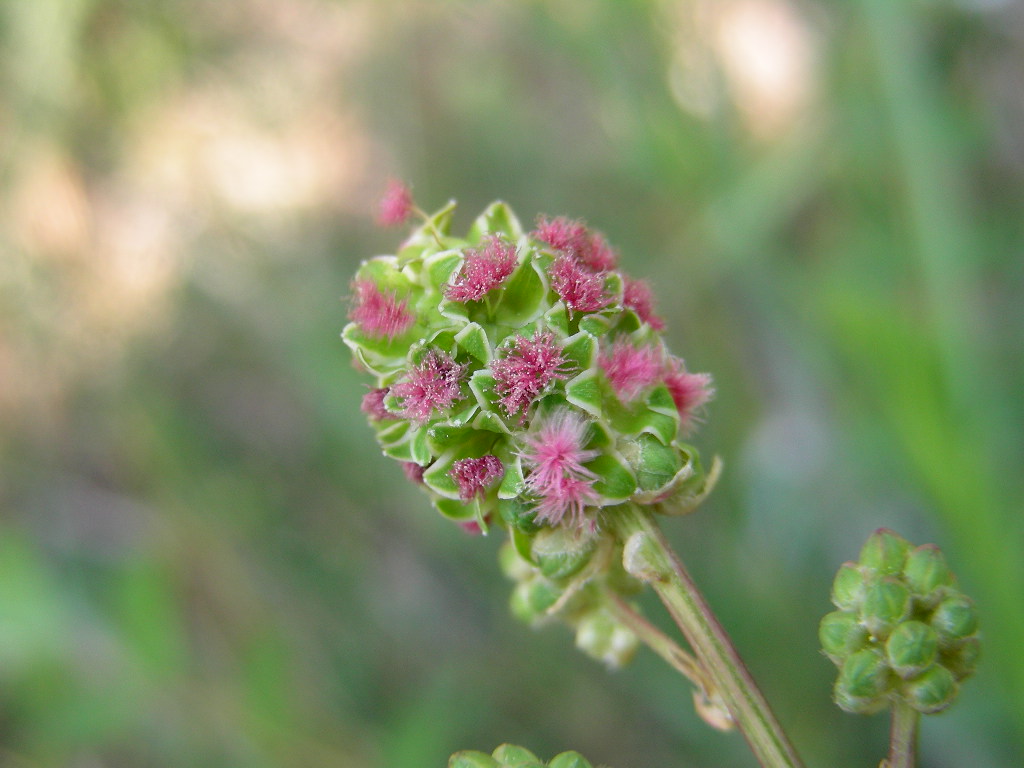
pixel 529 366
pixel 483 270
pixel 433 385
pixel 631 370
pixel 413 471
pixel 637 296
pixel 582 291
pixel 373 405
pixel 555 456
pixel 396 205
pixel 572 238
pixel 474 475
pixel 472 527
pixel 690 391
pixel 379 314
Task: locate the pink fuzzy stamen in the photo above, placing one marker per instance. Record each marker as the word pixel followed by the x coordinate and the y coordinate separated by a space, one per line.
pixel 379 314
pixel 690 391
pixel 572 238
pixel 373 405
pixel 631 370
pixel 433 385
pixel 413 471
pixel 555 456
pixel 529 366
pixel 474 475
pixel 483 270
pixel 396 206
pixel 637 296
pixel 582 291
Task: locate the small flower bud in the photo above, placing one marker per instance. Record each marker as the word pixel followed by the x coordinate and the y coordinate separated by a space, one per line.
pixel 863 682
pixel 926 570
pixel 848 588
pixel 931 691
pixel 954 619
pixel 531 600
pixel 911 648
pixel 512 755
pixel 886 603
pixel 963 659
pixel 472 759
pixel 569 760
pixel 885 552
pixel 603 638
pixel 841 634
pixel 643 560
pixel 561 553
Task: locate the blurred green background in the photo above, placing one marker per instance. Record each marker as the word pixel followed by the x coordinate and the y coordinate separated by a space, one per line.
pixel 204 561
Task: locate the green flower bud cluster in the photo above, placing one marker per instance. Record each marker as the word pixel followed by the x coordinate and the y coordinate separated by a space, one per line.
pixel 511 756
pixel 902 628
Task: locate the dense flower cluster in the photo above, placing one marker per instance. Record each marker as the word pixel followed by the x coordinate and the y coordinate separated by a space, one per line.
pixel 522 373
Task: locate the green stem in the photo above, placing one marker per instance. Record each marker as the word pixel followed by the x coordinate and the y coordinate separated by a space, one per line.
pixel 903 736
pixel 649 557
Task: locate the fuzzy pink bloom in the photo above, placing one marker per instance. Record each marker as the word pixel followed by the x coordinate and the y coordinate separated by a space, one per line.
pixel 637 296
pixel 433 385
pixel 483 270
pixel 474 475
pixel 413 471
pixel 529 366
pixel 572 238
pixel 373 405
pixel 396 205
pixel 631 370
pixel 582 291
pixel 555 456
pixel 690 391
pixel 379 314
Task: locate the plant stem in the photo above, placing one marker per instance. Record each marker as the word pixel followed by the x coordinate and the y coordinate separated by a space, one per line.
pixel 903 736
pixel 649 557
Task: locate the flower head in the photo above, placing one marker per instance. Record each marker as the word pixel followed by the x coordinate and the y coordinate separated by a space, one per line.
pixel 581 290
pixel 378 313
pixel 528 367
pixel 572 238
pixel 555 455
pixel 396 205
pixel 690 391
pixel 631 370
pixel 483 270
pixel 433 385
pixel 474 475
pixel 637 296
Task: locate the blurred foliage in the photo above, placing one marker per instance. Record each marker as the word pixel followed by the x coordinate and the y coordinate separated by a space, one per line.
pixel 204 562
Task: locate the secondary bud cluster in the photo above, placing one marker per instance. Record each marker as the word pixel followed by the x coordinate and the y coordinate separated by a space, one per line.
pixel 511 756
pixel 903 629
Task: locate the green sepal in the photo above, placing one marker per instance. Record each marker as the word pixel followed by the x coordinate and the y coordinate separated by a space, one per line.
pixel 472 339
pixel 512 483
pixel 557 319
pixel 472 759
pixel 454 509
pixel 586 391
pixel 569 760
pixel 497 219
pixel 522 300
pixel 655 464
pixel 932 691
pixel 885 552
pixel 595 325
pixel 580 350
pixel 841 634
pixel 911 648
pixel 406 441
pixel 638 419
pixel 438 269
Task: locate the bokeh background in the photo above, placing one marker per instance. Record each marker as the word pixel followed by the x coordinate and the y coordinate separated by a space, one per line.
pixel 204 561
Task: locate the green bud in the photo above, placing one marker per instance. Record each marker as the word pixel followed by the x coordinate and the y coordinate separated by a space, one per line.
pixel 841 633
pixel 562 552
pixel 886 603
pixel 472 759
pixel 569 760
pixel 644 560
pixel 511 755
pixel 931 691
pixel 848 587
pixel 954 619
pixel 885 552
pixel 531 599
pixel 912 647
pixel 926 571
pixel 963 659
pixel 864 675
pixel 603 638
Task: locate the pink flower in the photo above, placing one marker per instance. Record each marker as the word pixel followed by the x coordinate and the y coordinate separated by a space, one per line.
pixel 373 405
pixel 637 296
pixel 572 238
pixel 433 385
pixel 582 291
pixel 690 391
pixel 555 456
pixel 396 205
pixel 631 370
pixel 379 314
pixel 529 366
pixel 483 270
pixel 413 471
pixel 474 475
